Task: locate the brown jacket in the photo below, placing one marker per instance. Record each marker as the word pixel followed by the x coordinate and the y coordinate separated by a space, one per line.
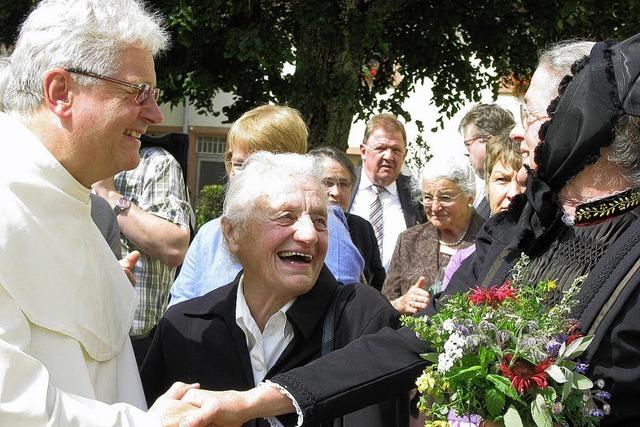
pixel 417 253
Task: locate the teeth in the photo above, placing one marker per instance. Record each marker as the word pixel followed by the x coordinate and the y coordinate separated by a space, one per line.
pixel 291 253
pixel 132 133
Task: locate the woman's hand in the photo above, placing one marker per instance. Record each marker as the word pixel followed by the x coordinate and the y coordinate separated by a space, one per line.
pixel 416 298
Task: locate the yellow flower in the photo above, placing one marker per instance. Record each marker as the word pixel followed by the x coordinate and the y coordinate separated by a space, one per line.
pixel 426 382
pixel 437 424
pixel 551 285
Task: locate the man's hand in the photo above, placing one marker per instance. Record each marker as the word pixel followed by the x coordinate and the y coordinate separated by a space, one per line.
pixel 128 263
pixel 170 409
pixel 416 298
pixel 233 408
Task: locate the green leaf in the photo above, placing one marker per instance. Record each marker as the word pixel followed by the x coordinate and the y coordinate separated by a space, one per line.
pixel 430 357
pixel 512 418
pixel 575 348
pixel 495 402
pixel 540 412
pixel 504 386
pixel 581 382
pixel 566 387
pixel 555 372
pixel 466 372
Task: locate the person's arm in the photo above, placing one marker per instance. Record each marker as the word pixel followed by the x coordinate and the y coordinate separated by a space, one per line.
pixel 373 368
pixel 343 258
pixel 30 399
pixel 153 235
pixel 159 226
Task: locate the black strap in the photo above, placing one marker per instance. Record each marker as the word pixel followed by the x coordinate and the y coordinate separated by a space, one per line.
pixel 340 295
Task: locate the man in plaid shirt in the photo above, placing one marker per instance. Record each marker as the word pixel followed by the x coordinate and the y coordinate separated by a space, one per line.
pixel 153 211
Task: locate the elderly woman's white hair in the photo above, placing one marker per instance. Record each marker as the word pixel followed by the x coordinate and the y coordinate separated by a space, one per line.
pixel 265 175
pixel 454 168
pixel 88 35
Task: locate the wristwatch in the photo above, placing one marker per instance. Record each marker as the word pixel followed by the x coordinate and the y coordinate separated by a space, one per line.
pixel 121 205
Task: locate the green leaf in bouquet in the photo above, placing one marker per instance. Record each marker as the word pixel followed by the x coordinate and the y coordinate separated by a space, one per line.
pixel 569 364
pixel 430 357
pixel 504 386
pixel 540 412
pixel 444 410
pixel 512 418
pixel 581 382
pixel 495 402
pixel 466 373
pixel 556 373
pixel 575 348
pixel 567 386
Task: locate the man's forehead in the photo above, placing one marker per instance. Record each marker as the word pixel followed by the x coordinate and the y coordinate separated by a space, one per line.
pixel 381 136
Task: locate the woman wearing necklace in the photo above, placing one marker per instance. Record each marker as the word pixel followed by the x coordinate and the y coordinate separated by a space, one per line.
pixel 447 189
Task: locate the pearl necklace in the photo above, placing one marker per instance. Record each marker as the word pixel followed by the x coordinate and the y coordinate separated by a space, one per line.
pixel 457 242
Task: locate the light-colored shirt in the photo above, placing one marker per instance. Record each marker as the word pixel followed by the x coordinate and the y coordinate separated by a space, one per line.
pixel 65 304
pixel 264 347
pixel 480 191
pixel 157 187
pixel 393 222
pixel 209 265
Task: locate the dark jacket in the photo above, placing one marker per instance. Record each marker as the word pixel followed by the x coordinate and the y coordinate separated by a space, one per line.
pixel 411 209
pixel 612 313
pixel 364 238
pixel 199 341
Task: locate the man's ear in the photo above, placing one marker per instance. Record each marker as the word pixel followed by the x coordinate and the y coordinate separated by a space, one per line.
pixel 363 151
pixel 231 235
pixel 58 95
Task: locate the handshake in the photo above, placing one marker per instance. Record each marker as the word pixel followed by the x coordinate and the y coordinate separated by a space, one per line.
pixel 186 405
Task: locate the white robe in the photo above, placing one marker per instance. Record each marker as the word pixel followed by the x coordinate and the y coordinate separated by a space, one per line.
pixel 65 304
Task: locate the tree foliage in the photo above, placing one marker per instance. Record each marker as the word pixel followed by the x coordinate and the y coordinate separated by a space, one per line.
pixel 242 46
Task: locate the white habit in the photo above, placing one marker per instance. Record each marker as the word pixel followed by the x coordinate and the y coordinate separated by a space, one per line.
pixel 65 304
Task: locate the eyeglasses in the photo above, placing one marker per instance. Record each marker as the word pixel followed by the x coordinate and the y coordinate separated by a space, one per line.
pixel 342 184
pixel 443 199
pixel 528 117
pixel 145 90
pixel 469 142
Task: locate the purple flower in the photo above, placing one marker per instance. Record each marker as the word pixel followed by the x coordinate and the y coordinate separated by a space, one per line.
pixel 582 367
pixel 553 347
pixel 596 413
pixel 602 395
pixel 462 329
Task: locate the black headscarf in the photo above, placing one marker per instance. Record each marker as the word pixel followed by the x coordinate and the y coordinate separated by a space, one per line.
pixel 603 87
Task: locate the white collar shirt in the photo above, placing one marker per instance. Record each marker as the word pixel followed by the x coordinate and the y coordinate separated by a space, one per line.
pixel 393 222
pixel 265 347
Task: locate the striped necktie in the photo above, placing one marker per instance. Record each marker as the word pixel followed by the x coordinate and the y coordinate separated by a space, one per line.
pixel 375 215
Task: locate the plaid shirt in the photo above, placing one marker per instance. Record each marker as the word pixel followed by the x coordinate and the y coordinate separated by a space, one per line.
pixel 157 187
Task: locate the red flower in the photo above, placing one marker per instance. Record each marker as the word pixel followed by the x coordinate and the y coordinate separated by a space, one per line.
pixel 524 374
pixel 494 295
pixel 573 333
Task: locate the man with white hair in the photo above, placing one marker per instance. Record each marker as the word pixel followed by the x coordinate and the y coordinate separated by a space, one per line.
pixel 78 92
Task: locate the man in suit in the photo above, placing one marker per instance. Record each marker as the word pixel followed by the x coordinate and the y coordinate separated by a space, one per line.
pixel 382 194
pixel 479 125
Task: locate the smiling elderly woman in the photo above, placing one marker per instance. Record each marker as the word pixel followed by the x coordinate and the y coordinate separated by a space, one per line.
pixel 284 305
pixel 447 188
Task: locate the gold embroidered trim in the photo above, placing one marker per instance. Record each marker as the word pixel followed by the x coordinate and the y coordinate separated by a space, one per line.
pixel 608 207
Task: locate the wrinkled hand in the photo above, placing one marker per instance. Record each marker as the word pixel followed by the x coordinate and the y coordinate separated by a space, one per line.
pixel 217 408
pixel 170 409
pixel 128 263
pixel 416 298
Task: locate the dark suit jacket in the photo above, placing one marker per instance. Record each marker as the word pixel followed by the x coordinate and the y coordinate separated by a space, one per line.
pixel 411 209
pixel 364 238
pixel 483 209
pixel 199 341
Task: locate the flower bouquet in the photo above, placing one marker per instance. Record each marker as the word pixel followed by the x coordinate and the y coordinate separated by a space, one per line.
pixel 502 355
